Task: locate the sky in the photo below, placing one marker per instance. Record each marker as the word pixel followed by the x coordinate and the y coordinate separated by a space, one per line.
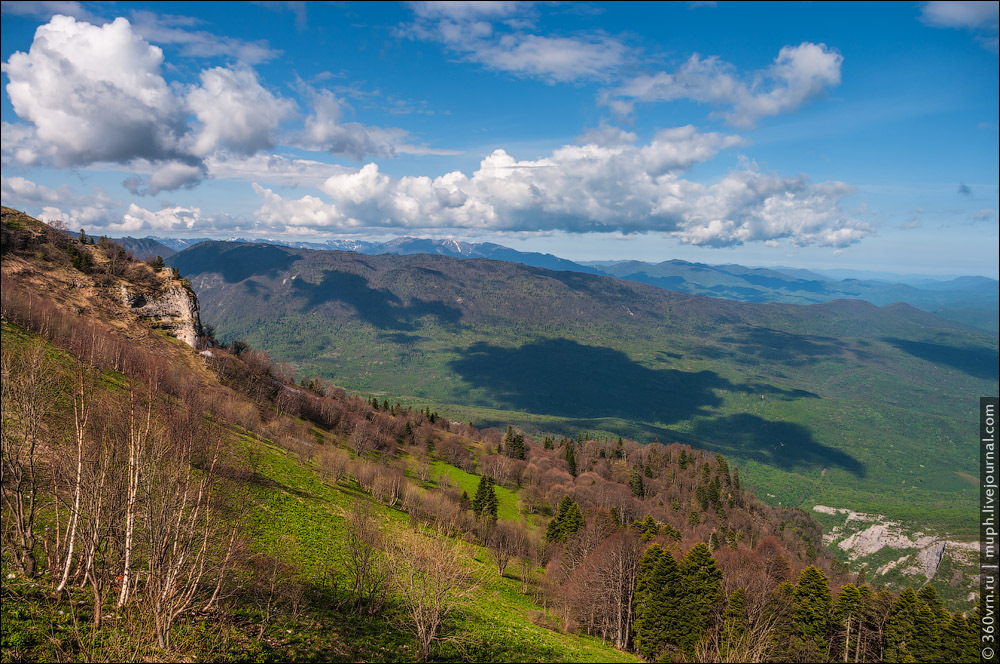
pixel 815 135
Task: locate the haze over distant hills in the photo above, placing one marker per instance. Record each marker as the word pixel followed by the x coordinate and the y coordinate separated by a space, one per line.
pixel 972 300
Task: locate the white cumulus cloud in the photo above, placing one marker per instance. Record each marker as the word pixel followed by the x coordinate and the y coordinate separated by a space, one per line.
pixel 585 188
pixel 325 129
pixel 798 74
pixel 94 93
pixel 235 111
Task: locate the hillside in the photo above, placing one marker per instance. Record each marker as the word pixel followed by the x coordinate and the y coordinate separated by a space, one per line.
pixel 284 521
pixel 970 300
pixel 826 403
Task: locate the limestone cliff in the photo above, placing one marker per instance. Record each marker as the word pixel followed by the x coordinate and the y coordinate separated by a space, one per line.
pixel 173 308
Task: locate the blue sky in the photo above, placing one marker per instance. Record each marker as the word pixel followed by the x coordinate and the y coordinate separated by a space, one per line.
pixel 818 135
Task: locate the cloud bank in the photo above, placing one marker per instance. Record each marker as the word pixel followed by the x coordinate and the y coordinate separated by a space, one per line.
pixel 581 189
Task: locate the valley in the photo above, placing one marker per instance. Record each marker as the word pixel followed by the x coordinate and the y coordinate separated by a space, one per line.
pixel 823 404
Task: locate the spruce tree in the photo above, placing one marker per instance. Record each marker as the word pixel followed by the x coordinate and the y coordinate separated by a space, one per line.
pixel 571 458
pixel 961 640
pixel 900 628
pixel 813 604
pixel 928 595
pixel 846 614
pixel 735 624
pixel 573 521
pixel 485 503
pixel 647 628
pixel 635 482
pixel 568 520
pixel 926 635
pixel 659 625
pixel 701 581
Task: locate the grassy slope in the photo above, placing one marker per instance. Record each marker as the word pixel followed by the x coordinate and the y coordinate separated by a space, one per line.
pixel 299 519
pixel 303 516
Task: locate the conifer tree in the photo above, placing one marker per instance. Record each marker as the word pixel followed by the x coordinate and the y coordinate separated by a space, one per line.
pixel 813 603
pixel 735 624
pixel 485 503
pixel 513 444
pixel 571 458
pixel 846 614
pixel 635 482
pixel 647 627
pixel 573 521
pixel 648 527
pixel 568 520
pixel 928 595
pixel 701 582
pixel 926 635
pixel 900 628
pixel 723 467
pixel 659 605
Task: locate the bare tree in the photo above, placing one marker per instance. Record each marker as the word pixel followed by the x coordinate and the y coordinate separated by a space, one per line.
pixel 602 588
pixel 137 435
pixel 503 541
pixel 180 515
pixel 81 413
pixel 102 498
pixel 364 438
pixel 497 466
pixel 367 565
pixel 388 485
pixel 529 555
pixel 335 462
pixel 28 397
pixel 274 585
pixel 432 583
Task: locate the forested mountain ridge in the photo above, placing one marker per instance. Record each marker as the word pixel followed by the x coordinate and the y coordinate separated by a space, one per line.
pixel 828 403
pixel 970 300
pixel 297 491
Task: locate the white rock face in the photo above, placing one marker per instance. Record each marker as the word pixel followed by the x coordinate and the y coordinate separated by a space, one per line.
pixel 922 553
pixel 928 560
pixel 174 310
pixel 874 538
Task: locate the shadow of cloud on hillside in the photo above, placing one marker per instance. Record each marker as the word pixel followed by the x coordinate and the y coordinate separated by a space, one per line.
pixel 379 307
pixel 234 263
pixel 784 445
pixel 775 346
pixel 977 362
pixel 564 378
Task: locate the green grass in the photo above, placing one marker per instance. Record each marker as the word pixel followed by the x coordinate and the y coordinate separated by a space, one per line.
pixel 507 507
pixel 301 519
pixel 293 515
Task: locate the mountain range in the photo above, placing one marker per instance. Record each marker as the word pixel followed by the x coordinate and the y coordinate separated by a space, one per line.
pixel 972 300
pixel 827 403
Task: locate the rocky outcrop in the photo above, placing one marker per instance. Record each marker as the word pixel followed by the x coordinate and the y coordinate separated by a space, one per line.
pixel 174 309
pixel 922 553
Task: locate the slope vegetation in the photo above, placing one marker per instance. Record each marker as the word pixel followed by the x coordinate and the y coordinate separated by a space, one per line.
pixel 834 403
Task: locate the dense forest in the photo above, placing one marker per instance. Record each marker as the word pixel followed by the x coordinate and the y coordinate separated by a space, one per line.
pixel 163 502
